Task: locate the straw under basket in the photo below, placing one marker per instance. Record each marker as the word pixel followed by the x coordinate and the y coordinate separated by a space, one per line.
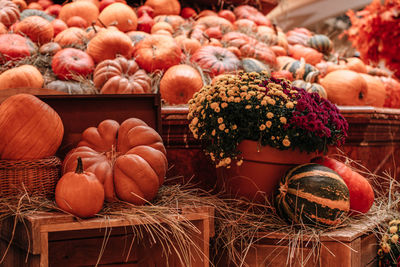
pixel 36 177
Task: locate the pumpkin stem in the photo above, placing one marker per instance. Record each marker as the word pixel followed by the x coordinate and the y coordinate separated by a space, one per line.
pixel 79 166
pixel 102 23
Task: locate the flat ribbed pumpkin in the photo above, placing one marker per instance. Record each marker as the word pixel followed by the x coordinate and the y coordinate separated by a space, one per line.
pixel 128 159
pixel 30 129
pixel 313 194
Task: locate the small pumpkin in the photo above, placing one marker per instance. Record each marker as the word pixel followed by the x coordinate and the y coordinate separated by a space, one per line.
pixel 310 55
pixel 34 129
pixel 71 36
pixel 174 20
pixel 254 65
pixel 21 4
pixel 128 159
pixel 188 45
pixel 85 9
pixel 145 23
pixel 58 26
pixel 15 47
pixel 162 26
pixel 36 28
pixel 9 12
pixel 300 69
pixel 216 60
pixel 24 76
pixel 227 14
pixel 108 44
pixel 71 63
pixel 121 76
pixel 311 87
pixel 77 21
pixel 50 48
pixel 321 43
pixel 355 64
pixel 179 83
pixel 119 15
pixel 164 7
pixel 312 194
pixel 80 192
pixel 214 21
pixel 251 13
pixel 157 52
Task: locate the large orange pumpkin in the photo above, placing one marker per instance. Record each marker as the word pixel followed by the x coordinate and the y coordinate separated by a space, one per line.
pixel 24 76
pixel 119 15
pixel 31 129
pixel 164 7
pixel 121 76
pixel 85 9
pixel 128 159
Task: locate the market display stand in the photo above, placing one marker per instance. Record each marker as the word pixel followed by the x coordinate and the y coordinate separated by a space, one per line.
pixel 56 239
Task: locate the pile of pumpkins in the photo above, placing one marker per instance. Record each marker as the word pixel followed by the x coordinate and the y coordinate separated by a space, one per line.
pixel 109 47
pixel 111 162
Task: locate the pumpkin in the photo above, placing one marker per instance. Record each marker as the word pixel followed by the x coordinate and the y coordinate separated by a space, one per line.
pixel 157 52
pixel 145 23
pixel 345 87
pixel 145 9
pixel 162 26
pixel 71 36
pixel 21 4
pixel 313 194
pixel 355 64
pixel 325 67
pixel 108 44
pixel 15 47
pixel 35 5
pixel 311 87
pixel 58 26
pixel 216 60
pixel 72 63
pixel 299 69
pixel 136 36
pixel 119 15
pixel 250 47
pixel 36 28
pixel 187 45
pixel 392 88
pixel 174 20
pixel 251 13
pixel 3 28
pixel 278 50
pixel 227 14
pixel 298 36
pixel 50 48
pixel 9 12
pixel 310 55
pixel 245 25
pixel 254 65
pixel 79 192
pixel 34 129
pixel 164 7
pixel 179 83
pixel 24 76
pixel 214 21
pixel 77 21
pixel 272 36
pixel 321 43
pixel 376 91
pixel 45 3
pixel 360 190
pixel 188 12
pixel 121 76
pixel 70 87
pixel 85 9
pixel 128 159
pixel 53 10
pixel 34 12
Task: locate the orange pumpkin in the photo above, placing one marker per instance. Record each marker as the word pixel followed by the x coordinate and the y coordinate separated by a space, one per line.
pixel 175 20
pixel 33 129
pixel 119 15
pixel 355 64
pixel 179 83
pixel 24 76
pixel 9 12
pixel 121 76
pixel 50 48
pixel 80 193
pixel 157 52
pixel 58 26
pixel 188 45
pixel 85 9
pixel 108 44
pixel 252 13
pixel 3 28
pixel 77 21
pixel 376 91
pixel 21 4
pixel 310 55
pixel 38 29
pixel 164 7
pixel 392 88
pixel 71 36
pixel 128 159
pixel 15 47
pixel 214 21
pixel 162 26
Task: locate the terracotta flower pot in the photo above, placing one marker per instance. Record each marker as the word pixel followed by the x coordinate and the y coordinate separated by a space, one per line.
pixel 259 175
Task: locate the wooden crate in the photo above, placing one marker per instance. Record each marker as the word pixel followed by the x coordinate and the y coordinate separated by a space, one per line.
pixel 55 239
pixel 352 246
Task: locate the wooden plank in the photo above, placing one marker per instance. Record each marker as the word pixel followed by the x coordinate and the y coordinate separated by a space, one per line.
pixel 44 251
pixel 16 256
pixel 341 254
pixel 369 250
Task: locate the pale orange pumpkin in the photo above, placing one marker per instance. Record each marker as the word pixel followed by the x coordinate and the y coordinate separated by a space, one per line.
pixel 179 83
pixel 85 9
pixel 33 129
pixel 164 7
pixel 119 15
pixel 355 64
pixel 71 36
pixel 376 91
pixel 162 25
pixel 310 55
pixel 38 29
pixel 175 20
pixel 24 76
pixel 77 21
pixel 188 45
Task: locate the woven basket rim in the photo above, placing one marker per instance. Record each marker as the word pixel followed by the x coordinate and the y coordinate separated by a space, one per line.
pixel 45 162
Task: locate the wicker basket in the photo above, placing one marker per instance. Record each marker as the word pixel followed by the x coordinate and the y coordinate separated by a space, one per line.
pixel 37 177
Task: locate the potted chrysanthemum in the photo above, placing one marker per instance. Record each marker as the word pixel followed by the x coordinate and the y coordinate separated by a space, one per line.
pixel 254 128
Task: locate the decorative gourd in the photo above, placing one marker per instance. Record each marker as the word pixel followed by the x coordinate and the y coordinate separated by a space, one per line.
pixel 164 7
pixel 311 87
pixel 128 159
pixel 179 83
pixel 108 44
pixel 71 36
pixel 15 47
pixel 321 43
pixel 34 12
pixel 310 55
pixel 72 63
pixel 360 190
pixel 250 47
pixel 9 12
pixel 157 52
pixel 345 87
pixel 36 28
pixel 85 9
pixel 121 76
pixel 80 193
pixel 313 194
pixel 119 15
pixel 254 65
pixel 33 129
pixel 299 69
pixel 24 76
pixel 216 60
pixel 251 13
pixel 376 91
pixel 70 87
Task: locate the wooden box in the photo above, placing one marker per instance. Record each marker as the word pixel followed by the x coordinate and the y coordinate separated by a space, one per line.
pixel 55 239
pixel 352 246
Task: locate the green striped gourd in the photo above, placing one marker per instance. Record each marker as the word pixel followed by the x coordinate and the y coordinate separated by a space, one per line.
pixel 299 69
pixel 320 42
pixel 312 194
pixel 311 87
pixel 254 65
